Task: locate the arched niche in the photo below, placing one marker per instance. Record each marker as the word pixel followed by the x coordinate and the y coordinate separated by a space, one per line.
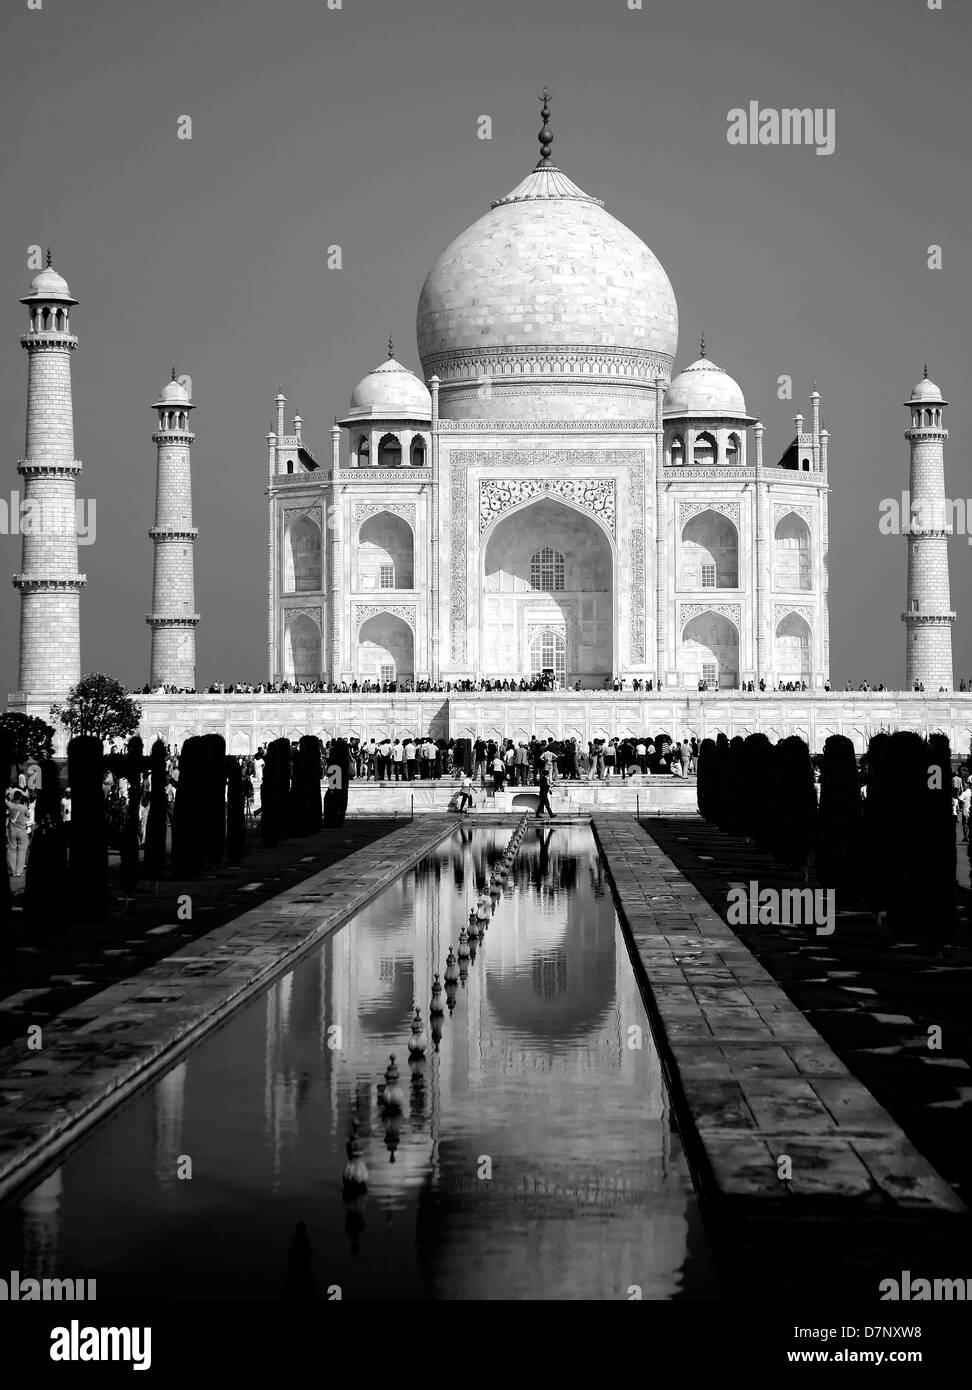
pixel 302 650
pixel 389 451
pixel 385 553
pixel 709 552
pixel 704 450
pixel 302 556
pixel 792 554
pixel 793 650
pixel 710 651
pixel 386 649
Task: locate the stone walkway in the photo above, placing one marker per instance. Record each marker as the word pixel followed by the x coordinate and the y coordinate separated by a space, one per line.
pixel 97 1052
pixel 753 1085
pixel 44 974
pixel 871 997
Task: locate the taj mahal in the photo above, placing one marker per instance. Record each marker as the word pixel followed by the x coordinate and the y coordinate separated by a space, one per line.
pixel 554 498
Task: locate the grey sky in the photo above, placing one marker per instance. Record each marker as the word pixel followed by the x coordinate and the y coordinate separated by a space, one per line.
pixel 358 127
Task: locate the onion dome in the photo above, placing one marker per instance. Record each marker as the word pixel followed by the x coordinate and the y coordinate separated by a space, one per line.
pixel 390 391
pixel 550 289
pixel 48 285
pixel 926 391
pixel 703 388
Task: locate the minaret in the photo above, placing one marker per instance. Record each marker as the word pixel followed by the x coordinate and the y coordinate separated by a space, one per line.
pixel 49 583
pixel 173 617
pixel 929 616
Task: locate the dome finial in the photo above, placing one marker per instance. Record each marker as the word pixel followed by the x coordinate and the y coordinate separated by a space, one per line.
pixel 391 347
pixel 173 374
pixel 546 134
pixel 925 376
pixel 702 346
pixel 50 258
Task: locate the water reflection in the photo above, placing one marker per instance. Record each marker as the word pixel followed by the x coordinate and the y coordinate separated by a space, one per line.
pixel 530 1153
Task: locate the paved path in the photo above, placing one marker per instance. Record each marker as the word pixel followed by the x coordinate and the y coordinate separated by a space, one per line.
pixel 871 997
pixel 100 1050
pixel 753 1083
pixel 42 976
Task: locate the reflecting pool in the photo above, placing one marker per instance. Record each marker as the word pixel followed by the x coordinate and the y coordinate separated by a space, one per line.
pixel 534 1156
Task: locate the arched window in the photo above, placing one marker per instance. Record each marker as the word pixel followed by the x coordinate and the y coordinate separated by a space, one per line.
pixel 678 451
pixel 794 560
pixel 733 450
pixel 709 553
pixel 928 419
pixel 389 451
pixel 547 569
pixel 704 453
pixel 548 652
pixel 806 465
pixel 290 465
pixel 418 452
pixel 47 318
pixel 364 451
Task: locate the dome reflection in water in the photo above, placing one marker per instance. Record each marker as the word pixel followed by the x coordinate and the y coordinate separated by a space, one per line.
pixel 533 1155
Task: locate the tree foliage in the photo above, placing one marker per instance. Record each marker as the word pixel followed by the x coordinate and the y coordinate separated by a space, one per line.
pixel 100 706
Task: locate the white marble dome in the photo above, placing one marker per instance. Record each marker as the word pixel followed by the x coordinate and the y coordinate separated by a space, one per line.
pixel 547 284
pixel 49 285
pixel 927 391
pixel 391 390
pixel 703 388
pixel 174 393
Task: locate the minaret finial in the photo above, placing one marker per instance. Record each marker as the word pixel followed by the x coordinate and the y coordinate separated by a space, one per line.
pixel 391 347
pixel 546 134
pixel 50 258
pixel 925 377
pixel 173 374
pixel 702 346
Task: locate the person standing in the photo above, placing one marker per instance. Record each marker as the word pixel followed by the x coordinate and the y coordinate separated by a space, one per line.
pixel 479 770
pixel 409 760
pixel 465 799
pixel 499 771
pixel 543 802
pixel 964 801
pixel 18 833
pixel 397 758
pixel 685 756
pixel 66 806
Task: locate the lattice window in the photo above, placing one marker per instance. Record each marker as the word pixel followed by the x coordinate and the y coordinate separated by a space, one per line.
pixel 708 576
pixel 386 577
pixel 547 569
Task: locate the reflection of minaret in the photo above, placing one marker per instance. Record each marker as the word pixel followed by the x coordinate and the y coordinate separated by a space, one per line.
pixel 279 1089
pixel 169 1103
pixel 40 1228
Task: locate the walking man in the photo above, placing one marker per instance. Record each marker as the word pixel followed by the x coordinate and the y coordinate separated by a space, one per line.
pixel 543 804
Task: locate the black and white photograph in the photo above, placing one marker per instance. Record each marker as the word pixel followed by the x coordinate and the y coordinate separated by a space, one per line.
pixel 487 727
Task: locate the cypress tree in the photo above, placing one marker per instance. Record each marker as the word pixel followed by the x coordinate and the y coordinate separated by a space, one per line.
pixel 45 887
pixel 736 804
pixel 158 816
pixel 134 763
pixel 704 769
pixel 215 792
pixel 840 823
pixel 795 807
pixel 270 798
pixel 6 944
pixel 720 781
pixel 756 777
pixel 312 755
pixel 188 824
pixel 284 759
pixel 939 853
pixel 235 812
pixel 879 835
pixel 909 802
pixel 338 779
pixel 88 834
pixel 298 820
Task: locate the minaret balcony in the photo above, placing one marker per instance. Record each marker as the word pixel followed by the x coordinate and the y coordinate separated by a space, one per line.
pixel 928 619
pixel 46 338
pixel 41 583
pixel 171 533
pixel 45 465
pixel 173 620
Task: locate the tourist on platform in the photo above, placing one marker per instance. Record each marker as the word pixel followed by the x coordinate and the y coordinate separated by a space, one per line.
pixel 499 771
pixel 479 761
pixel 66 806
pixel 543 803
pixel 685 756
pixel 465 800
pixel 18 831
pixel 522 763
pixel 397 759
pixel 610 758
pixel 409 760
pixel 964 801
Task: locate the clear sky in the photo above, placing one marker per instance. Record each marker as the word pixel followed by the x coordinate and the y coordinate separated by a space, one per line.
pixel 357 126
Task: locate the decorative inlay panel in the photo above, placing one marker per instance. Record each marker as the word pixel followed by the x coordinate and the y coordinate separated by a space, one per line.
pixel 643 425
pixel 361 612
pixel 686 511
pixel 802 610
pixel 688 611
pixel 636 562
pixel 316 615
pixel 406 475
pixel 782 509
pixel 406 510
pixel 499 495
pixel 580 362
pixel 312 510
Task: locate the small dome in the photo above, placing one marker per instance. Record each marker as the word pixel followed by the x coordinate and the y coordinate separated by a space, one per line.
pixel 704 389
pixel 50 285
pixel 927 391
pixel 174 393
pixel 391 390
